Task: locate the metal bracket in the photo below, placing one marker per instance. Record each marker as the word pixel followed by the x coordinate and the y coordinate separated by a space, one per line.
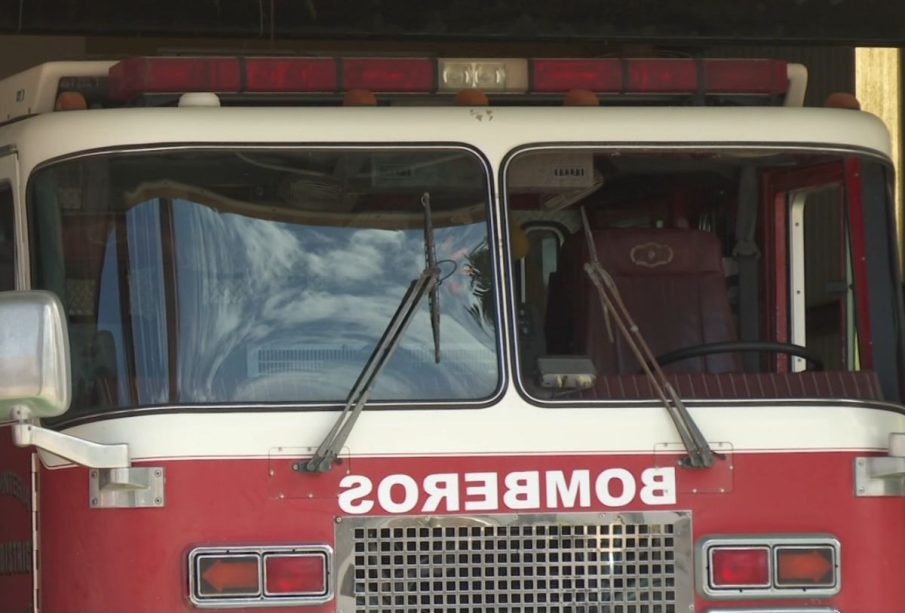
pixel 879 476
pixel 74 449
pixel 113 483
pixel 126 488
pixel 882 475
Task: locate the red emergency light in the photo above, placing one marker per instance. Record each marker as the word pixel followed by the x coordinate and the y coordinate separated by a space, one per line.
pixel 661 76
pixel 413 75
pixel 139 76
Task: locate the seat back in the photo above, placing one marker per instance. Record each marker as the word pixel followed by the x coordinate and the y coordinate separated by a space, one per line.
pixel 671 281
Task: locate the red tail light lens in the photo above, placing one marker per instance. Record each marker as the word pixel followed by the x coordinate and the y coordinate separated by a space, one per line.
pixel 389 75
pixel 295 575
pixel 564 75
pixel 746 76
pixel 805 566
pixel 162 75
pixel 732 567
pixel 290 75
pixel 662 76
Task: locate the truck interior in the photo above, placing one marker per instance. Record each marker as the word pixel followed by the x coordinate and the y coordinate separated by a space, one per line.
pixel 750 275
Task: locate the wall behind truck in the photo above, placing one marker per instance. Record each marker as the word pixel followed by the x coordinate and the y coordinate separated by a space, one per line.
pixel 18 52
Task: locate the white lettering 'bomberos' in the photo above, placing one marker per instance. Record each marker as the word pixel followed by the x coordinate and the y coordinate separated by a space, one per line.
pixel 514 491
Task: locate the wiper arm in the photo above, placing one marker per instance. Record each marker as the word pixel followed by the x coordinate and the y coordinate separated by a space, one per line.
pixel 430 258
pixel 700 455
pixel 426 284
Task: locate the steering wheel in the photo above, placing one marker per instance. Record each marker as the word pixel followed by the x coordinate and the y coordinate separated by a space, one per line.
pixel 696 351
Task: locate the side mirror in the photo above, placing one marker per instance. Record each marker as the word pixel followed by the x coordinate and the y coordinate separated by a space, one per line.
pixel 34 354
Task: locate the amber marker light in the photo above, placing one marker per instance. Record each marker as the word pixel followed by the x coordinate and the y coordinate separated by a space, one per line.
pixel 229 576
pixel 805 567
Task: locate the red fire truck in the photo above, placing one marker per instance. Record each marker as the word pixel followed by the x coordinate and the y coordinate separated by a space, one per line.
pixel 446 335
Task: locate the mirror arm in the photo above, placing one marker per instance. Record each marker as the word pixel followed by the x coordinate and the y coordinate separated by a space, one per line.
pixel 113 483
pixel 74 449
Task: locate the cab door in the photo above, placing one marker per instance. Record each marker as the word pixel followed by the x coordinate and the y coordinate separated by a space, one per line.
pixel 830 278
pixel 17 545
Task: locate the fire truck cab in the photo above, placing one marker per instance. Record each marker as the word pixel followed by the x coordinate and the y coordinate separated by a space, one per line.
pixel 446 335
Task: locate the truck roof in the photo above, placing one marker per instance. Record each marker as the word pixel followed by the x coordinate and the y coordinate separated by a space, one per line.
pixel 323 80
pixel 495 130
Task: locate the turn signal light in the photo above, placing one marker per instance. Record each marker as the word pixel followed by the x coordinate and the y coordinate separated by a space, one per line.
pixel 228 576
pixel 805 566
pixel 740 567
pixel 281 575
pixel 768 566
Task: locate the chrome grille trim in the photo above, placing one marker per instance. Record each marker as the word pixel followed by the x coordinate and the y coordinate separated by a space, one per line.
pixel 552 563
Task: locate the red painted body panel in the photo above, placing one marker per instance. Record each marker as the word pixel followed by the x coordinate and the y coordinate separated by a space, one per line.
pixel 135 560
pixel 16 578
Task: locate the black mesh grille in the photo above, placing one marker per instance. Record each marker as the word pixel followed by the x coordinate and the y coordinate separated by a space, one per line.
pixel 618 567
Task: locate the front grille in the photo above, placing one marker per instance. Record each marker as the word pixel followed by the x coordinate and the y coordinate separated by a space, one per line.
pixel 575 563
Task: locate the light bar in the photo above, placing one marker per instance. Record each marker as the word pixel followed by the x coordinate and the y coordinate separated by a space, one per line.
pixel 244 576
pixel 139 76
pixel 776 566
pixel 660 76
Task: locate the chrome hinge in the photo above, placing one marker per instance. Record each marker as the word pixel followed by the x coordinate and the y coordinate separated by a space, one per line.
pixel 882 475
pixel 113 483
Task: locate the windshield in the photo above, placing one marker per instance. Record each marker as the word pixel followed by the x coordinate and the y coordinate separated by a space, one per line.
pixel 749 275
pixel 264 276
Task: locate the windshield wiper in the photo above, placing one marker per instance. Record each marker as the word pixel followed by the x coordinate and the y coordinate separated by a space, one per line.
pixel 700 455
pixel 430 259
pixel 427 283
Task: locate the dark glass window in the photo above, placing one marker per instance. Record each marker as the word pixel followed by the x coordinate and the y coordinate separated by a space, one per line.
pixel 7 239
pixel 222 277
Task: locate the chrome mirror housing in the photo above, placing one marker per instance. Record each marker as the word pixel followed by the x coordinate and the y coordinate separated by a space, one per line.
pixel 34 355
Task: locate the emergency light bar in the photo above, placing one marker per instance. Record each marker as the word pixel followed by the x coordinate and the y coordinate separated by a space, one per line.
pixel 140 76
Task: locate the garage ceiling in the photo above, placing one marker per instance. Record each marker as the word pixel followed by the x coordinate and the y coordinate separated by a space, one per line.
pixel 844 22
